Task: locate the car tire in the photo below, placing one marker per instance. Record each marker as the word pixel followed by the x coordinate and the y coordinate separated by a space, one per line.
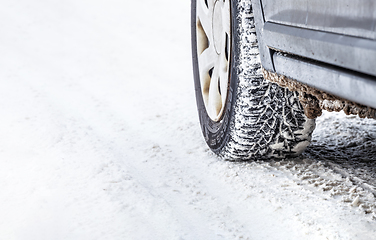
pixel 242 115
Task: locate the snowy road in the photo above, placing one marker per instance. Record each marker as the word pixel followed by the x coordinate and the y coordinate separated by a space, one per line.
pixel 99 139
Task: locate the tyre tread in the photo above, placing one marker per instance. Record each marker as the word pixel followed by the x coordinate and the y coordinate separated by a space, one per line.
pixel 268 120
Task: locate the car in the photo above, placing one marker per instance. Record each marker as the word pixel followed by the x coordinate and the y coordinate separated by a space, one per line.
pixel 265 69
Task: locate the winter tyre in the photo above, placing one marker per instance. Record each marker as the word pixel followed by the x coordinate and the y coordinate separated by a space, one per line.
pixel 242 115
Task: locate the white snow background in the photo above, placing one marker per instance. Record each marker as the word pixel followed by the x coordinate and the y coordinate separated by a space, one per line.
pixel 99 137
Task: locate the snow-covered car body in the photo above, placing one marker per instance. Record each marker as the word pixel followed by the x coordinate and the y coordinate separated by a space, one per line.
pixel 329 45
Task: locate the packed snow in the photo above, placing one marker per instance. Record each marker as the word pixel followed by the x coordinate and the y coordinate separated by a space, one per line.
pixel 99 139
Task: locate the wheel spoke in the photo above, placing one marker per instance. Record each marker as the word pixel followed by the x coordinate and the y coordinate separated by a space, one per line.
pixel 224 56
pixel 210 4
pixel 215 100
pixel 224 81
pixel 204 15
pixel 207 59
pixel 226 17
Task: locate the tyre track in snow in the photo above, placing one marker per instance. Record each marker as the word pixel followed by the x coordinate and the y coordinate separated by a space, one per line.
pixel 346 145
pixel 173 180
pixel 175 172
pixel 142 182
pixel 160 183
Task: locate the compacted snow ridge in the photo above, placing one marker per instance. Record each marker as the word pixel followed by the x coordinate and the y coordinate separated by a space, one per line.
pixel 99 139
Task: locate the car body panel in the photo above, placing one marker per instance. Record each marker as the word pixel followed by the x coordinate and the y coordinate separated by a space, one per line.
pixel 333 41
pixel 349 52
pixel 348 17
pixel 344 84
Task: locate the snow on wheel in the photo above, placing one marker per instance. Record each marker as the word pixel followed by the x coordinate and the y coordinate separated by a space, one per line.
pixel 242 115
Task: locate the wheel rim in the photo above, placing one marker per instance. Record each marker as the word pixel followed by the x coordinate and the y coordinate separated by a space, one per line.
pixel 213 19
